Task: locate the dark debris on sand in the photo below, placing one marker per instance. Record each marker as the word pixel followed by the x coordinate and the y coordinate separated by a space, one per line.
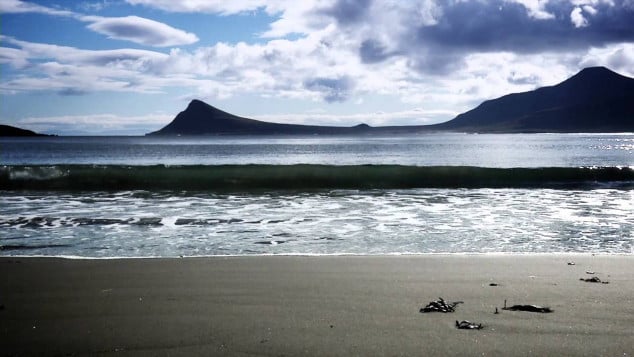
pixel 440 305
pixel 467 325
pixel 594 279
pixel 529 308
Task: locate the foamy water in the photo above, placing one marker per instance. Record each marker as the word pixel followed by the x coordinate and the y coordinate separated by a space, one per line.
pixel 141 223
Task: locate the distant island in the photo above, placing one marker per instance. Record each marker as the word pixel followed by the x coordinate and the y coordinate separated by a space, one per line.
pixel 8 130
pixel 594 100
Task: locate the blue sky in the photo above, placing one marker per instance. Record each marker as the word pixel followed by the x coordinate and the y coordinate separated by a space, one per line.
pixel 129 66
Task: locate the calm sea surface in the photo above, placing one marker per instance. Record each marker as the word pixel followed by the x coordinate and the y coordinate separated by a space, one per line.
pixel 155 197
pixel 516 150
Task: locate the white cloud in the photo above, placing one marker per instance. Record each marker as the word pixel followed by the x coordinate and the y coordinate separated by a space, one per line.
pixel 119 57
pixel 590 10
pixel 209 6
pixel 577 18
pixel 536 8
pixel 296 17
pixel 618 58
pixel 14 57
pixel 60 68
pixel 593 2
pixel 140 30
pixel 18 6
pixel 94 6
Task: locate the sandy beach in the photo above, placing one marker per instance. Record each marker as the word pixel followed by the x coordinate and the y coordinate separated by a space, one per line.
pixel 329 305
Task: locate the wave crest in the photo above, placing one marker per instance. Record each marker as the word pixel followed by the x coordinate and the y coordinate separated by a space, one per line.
pixel 304 177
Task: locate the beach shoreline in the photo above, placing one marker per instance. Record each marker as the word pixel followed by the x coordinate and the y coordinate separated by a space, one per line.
pixel 316 305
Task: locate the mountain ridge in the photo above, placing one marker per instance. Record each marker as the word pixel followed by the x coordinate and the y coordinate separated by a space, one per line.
pixel 595 99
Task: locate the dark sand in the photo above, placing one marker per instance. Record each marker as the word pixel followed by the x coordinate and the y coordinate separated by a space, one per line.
pixel 325 306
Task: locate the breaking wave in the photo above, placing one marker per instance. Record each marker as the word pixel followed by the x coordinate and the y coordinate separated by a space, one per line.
pixel 303 177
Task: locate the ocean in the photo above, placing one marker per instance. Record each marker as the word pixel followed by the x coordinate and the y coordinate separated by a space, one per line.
pixel 107 197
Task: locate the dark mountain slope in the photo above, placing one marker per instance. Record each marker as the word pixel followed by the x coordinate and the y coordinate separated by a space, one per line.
pixel 594 100
pixel 8 130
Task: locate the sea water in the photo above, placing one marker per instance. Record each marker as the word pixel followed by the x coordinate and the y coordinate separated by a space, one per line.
pixel 432 193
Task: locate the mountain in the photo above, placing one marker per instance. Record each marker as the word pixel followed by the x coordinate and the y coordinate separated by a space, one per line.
pixel 8 130
pixel 594 100
pixel 201 118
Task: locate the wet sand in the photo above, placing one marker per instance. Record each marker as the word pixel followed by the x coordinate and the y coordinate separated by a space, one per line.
pixel 335 306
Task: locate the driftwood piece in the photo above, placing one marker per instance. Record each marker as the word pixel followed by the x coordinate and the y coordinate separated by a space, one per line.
pixel 467 325
pixel 440 305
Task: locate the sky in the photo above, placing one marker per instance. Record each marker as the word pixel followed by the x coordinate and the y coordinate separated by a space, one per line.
pixel 127 67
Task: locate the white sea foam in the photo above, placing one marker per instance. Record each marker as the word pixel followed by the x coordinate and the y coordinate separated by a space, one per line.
pixel 392 222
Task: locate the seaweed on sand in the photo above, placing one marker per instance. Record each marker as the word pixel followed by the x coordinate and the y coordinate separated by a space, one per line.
pixel 440 305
